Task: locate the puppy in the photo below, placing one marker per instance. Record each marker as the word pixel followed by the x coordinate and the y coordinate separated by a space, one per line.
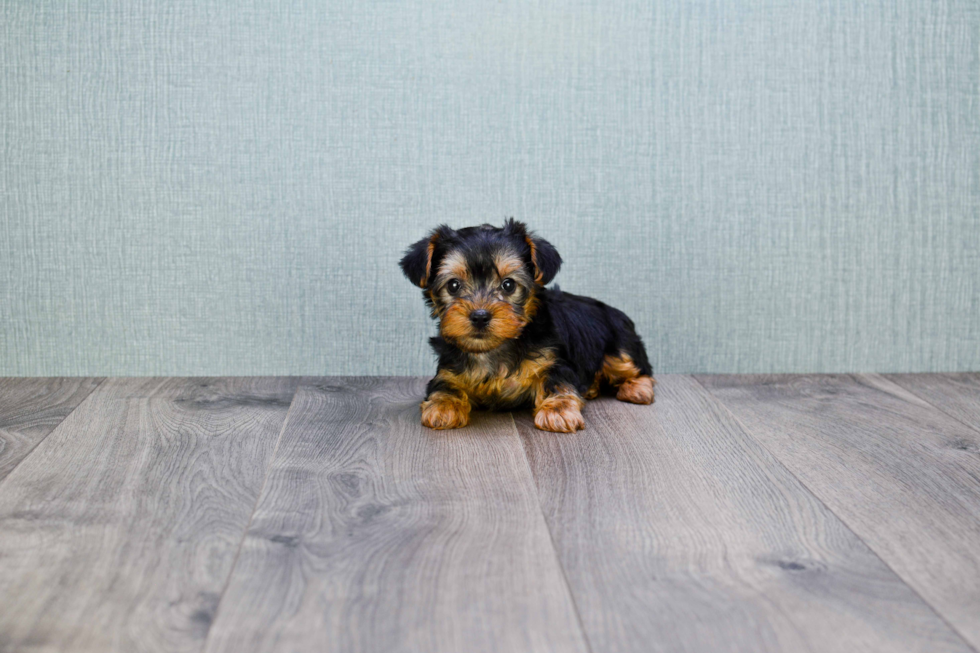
pixel 505 341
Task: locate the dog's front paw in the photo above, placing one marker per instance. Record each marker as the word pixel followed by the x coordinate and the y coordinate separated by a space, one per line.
pixel 558 421
pixel 560 414
pixel 445 411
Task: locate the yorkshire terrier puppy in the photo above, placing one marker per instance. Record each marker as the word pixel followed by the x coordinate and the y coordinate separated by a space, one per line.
pixel 505 341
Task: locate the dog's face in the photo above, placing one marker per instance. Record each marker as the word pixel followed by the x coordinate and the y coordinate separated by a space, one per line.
pixel 481 282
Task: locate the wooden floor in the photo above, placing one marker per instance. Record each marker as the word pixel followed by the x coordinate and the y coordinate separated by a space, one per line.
pixel 738 513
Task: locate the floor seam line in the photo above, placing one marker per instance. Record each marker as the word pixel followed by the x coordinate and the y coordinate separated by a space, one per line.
pixel 63 420
pixel 251 518
pixel 931 404
pixel 551 537
pixel 843 521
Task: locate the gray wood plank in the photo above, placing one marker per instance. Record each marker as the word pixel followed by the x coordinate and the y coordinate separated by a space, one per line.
pixel 957 395
pixel 119 531
pixel 376 534
pixel 678 532
pixel 31 408
pixel 904 476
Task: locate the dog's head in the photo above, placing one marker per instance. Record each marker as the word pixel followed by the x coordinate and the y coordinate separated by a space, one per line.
pixel 481 282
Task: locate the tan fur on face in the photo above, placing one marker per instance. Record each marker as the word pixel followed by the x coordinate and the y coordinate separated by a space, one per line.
pixel 622 372
pixel 453 265
pixel 511 265
pixel 560 412
pixel 530 305
pixel 443 410
pixel 507 319
pixel 507 264
pixel 504 325
pixel 501 385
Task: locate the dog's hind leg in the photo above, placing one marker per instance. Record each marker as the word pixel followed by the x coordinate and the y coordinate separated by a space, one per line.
pixel 623 374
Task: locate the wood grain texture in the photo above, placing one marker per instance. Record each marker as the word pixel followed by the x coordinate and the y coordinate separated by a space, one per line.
pixel 31 408
pixel 677 532
pixel 375 534
pixel 957 395
pixel 119 531
pixel 903 475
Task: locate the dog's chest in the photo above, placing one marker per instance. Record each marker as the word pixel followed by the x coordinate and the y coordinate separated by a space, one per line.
pixel 491 383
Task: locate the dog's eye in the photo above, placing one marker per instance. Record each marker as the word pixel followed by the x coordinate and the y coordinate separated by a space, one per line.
pixel 453 286
pixel 508 286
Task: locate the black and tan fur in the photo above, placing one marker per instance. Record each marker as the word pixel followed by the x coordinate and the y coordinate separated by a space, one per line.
pixel 506 341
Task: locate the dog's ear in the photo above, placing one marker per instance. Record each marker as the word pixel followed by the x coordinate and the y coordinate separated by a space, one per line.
pixel 417 262
pixel 545 259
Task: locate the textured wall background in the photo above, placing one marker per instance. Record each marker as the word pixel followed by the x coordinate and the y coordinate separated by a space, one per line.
pixel 225 188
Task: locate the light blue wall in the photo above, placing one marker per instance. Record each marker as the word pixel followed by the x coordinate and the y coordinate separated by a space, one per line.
pixel 225 187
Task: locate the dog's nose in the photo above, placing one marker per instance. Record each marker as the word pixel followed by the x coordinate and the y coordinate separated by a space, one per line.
pixel 480 318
